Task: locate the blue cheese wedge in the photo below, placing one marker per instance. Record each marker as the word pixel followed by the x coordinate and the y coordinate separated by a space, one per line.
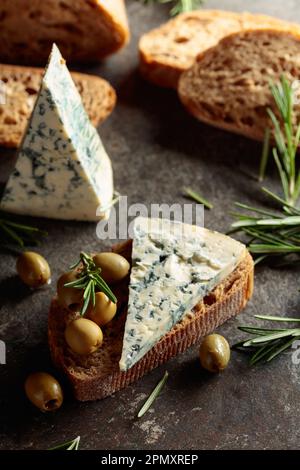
pixel 174 266
pixel 62 170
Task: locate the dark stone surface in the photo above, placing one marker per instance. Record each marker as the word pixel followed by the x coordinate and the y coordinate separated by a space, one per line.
pixel 156 149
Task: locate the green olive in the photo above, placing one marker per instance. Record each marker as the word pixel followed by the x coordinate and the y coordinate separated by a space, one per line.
pixel 214 353
pixel 44 391
pixel 83 336
pixel 103 311
pixel 114 267
pixel 68 297
pixel 33 269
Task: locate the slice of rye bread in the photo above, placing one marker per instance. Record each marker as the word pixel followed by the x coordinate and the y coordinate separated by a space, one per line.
pixel 21 86
pixel 228 85
pixel 97 376
pixel 169 50
pixel 84 30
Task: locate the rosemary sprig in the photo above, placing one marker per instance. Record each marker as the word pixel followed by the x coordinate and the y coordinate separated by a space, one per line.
pixel 188 192
pixel 18 234
pixel 90 281
pixel 154 394
pixel 265 344
pixel 277 234
pixel 179 6
pixel 70 445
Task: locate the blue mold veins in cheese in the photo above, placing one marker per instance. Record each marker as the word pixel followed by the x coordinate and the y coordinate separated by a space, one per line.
pixel 174 266
pixel 62 170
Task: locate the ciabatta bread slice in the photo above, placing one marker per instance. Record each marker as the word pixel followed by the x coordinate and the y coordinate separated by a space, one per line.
pixel 98 375
pixel 169 50
pixel 84 30
pixel 228 85
pixel 20 89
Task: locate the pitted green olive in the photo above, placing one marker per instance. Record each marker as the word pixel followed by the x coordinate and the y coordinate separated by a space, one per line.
pixel 114 267
pixel 33 269
pixel 103 311
pixel 214 353
pixel 68 297
pixel 83 336
pixel 44 391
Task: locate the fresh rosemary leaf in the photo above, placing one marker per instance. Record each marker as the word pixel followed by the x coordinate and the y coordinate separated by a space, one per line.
pixel 188 192
pixel 87 289
pixel 75 265
pixel 263 353
pixel 24 228
pixel 70 445
pixel 272 249
pixel 154 394
pixel 259 259
pixel 12 234
pixel 282 348
pixel 265 155
pixel 272 336
pixel 280 319
pixel 255 330
pixel 85 305
pixel 257 210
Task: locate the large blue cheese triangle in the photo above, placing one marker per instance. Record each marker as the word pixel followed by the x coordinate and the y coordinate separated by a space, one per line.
pixel 174 265
pixel 62 169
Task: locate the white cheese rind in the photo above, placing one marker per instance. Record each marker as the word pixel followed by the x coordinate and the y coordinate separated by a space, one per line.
pixel 63 170
pixel 174 265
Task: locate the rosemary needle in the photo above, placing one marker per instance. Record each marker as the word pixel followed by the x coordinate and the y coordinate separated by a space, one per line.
pixel 154 394
pixel 280 319
pixel 265 155
pixel 70 445
pixel 188 192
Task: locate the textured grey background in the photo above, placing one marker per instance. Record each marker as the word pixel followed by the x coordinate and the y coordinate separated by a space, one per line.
pixel 156 149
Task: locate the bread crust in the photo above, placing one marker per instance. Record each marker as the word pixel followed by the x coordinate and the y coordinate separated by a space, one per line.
pixel 254 96
pixel 87 383
pixel 85 30
pixel 21 88
pixel 167 51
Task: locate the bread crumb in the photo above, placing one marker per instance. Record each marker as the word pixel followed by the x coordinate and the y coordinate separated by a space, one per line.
pixel 152 430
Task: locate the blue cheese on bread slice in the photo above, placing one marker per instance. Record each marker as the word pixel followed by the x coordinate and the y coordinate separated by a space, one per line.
pixel 174 266
pixel 62 170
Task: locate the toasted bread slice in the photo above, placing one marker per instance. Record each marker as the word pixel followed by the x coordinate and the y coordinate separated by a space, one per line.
pixel 98 375
pixel 229 85
pixel 84 30
pixel 169 50
pixel 20 89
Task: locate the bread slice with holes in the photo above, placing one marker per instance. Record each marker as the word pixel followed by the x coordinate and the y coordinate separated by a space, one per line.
pixel 228 85
pixel 20 89
pixel 84 30
pixel 106 371
pixel 169 50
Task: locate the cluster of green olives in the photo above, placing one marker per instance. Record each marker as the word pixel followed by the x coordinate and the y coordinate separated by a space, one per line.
pixel 84 335
pixel 214 353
